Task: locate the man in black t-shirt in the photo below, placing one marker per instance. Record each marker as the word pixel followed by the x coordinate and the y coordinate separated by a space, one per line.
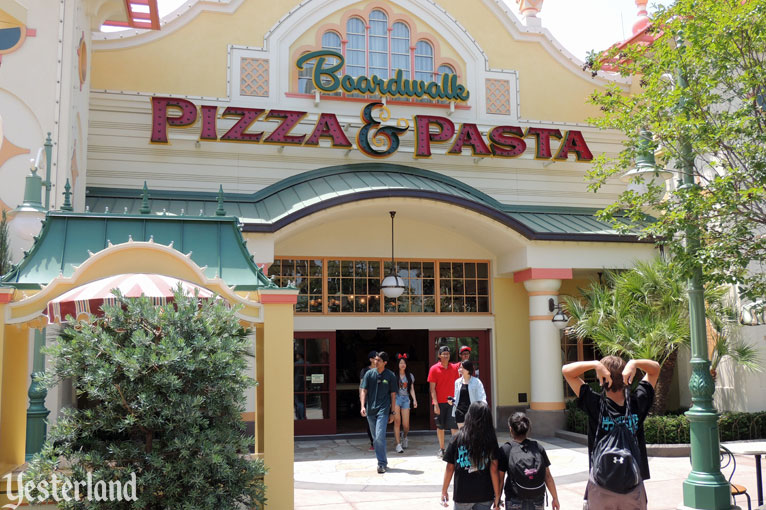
pixel 614 374
pixel 364 370
pixel 377 395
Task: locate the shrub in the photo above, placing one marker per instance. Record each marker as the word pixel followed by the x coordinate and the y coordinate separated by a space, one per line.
pixel 163 392
pixel 673 428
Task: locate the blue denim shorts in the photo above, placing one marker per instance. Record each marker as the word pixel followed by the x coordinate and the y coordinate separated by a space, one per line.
pixel 403 401
pixel 484 505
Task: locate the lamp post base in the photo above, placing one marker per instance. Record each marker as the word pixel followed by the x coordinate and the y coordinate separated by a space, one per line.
pixel 707 492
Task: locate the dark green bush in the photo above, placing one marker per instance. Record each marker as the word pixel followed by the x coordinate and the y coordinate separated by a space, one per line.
pixel 674 428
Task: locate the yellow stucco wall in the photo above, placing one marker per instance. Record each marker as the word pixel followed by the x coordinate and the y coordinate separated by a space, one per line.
pixel 192 60
pixel 511 305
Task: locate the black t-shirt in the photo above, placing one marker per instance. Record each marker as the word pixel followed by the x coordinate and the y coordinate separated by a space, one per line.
pixel 502 464
pixel 464 403
pixel 641 400
pixel 379 388
pixel 472 485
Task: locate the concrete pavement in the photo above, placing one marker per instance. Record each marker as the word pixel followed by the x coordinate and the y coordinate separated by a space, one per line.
pixel 340 474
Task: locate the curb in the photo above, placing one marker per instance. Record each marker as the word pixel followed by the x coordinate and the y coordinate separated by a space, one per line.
pixel 652 450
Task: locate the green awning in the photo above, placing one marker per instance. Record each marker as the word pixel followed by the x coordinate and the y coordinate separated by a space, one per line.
pixel 296 197
pixel 67 238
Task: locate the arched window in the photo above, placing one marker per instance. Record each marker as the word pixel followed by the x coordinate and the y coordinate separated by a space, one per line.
pixel 443 69
pixel 330 41
pixel 378 55
pixel 424 61
pixel 400 49
pixel 356 49
pixel 376 47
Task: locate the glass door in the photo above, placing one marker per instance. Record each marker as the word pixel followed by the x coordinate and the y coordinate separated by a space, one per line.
pixel 314 383
pixel 478 341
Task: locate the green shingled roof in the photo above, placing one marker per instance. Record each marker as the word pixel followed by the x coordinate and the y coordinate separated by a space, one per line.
pixel 66 239
pixel 290 199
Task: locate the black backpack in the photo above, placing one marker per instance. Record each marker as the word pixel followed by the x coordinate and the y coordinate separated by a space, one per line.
pixel 615 460
pixel 525 469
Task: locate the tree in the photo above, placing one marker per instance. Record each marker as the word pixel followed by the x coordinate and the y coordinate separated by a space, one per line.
pixel 707 92
pixel 163 388
pixel 5 247
pixel 643 313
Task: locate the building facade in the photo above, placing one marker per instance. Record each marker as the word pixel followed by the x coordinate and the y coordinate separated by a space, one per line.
pixel 311 122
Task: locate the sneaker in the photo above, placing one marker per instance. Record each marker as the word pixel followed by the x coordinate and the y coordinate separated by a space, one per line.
pixel 405 443
pixel 371 448
pixel 440 453
pixel 399 448
pixel 381 469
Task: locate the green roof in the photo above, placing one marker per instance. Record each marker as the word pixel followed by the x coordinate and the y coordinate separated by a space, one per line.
pixel 67 238
pixel 293 198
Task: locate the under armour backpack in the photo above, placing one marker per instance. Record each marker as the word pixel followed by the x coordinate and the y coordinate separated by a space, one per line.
pixel 615 460
pixel 525 469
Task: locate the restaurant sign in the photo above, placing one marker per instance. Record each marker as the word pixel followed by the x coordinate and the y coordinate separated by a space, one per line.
pixel 374 138
pixel 325 64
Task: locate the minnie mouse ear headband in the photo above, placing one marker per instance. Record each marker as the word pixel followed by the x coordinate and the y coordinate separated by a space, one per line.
pixel 401 355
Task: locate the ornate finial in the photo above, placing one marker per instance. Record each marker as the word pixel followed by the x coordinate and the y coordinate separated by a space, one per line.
pixel 529 9
pixel 642 21
pixel 67 205
pixel 145 201
pixel 220 211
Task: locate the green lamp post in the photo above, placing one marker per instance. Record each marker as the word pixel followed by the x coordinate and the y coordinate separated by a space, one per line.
pixel 706 487
pixel 37 427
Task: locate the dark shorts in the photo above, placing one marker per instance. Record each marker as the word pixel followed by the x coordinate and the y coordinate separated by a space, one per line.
pixel 524 504
pixel 445 420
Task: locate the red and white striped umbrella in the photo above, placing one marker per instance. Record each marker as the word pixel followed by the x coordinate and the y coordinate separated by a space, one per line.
pixel 88 299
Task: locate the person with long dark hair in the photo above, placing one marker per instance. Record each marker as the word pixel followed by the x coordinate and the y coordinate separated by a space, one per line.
pixel 468 389
pixel 528 469
pixel 405 390
pixel 472 459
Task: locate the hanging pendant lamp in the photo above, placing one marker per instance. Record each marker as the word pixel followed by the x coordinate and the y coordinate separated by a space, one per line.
pixel 392 285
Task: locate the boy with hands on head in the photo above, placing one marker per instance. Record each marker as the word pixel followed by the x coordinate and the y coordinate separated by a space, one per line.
pixel 615 376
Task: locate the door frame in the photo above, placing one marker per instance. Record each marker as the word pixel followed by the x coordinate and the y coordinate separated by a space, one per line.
pixel 484 361
pixel 326 426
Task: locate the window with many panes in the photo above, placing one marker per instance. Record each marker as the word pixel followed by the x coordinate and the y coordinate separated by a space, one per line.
pixel 578 349
pixel 306 275
pixel 376 46
pixel 353 285
pixel 463 287
pixel 330 41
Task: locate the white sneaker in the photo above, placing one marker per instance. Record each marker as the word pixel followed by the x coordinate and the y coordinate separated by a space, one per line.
pixel 399 448
pixel 405 443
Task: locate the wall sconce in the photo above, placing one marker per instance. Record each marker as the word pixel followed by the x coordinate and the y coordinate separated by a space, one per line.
pixel 560 318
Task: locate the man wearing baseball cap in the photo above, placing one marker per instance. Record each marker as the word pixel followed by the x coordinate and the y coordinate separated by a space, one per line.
pixel 465 355
pixel 441 379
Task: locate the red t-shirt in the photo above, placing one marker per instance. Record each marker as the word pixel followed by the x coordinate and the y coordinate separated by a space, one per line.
pixel 445 380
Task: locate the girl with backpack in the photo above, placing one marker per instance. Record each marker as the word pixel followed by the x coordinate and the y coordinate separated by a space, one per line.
pixel 472 458
pixel 528 470
pixel 404 391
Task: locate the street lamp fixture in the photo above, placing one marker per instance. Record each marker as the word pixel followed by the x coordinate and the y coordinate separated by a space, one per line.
pixel 392 285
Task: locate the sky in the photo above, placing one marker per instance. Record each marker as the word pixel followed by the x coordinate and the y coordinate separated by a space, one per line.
pixel 579 25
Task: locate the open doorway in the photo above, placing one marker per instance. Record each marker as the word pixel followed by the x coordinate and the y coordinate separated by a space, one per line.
pixel 351 355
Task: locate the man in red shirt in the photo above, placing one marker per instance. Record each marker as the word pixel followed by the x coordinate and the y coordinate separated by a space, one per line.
pixel 441 379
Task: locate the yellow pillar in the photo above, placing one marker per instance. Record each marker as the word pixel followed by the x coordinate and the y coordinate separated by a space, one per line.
pixel 277 384
pixel 14 346
pixel 259 389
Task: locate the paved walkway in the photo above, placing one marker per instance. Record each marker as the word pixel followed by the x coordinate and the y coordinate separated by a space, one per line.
pixel 340 474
